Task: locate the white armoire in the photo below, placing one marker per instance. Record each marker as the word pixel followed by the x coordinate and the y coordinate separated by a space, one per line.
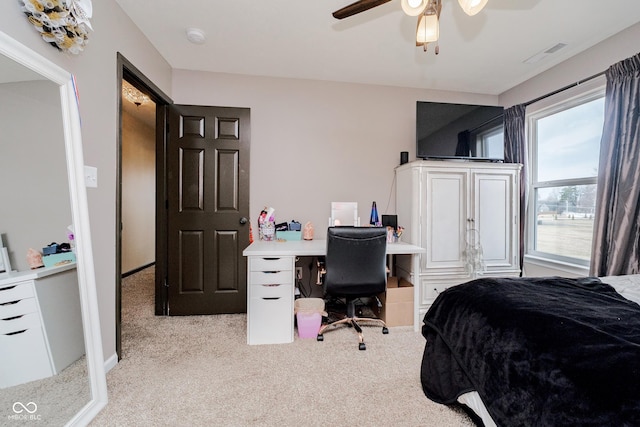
pixel 466 216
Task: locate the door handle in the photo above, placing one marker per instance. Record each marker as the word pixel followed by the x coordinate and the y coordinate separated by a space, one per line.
pixel 243 220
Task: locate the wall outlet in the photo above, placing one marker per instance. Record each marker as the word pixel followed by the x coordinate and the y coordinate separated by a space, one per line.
pixel 298 273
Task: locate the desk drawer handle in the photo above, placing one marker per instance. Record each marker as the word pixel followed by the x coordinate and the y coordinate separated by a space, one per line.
pixel 17 332
pixel 271 285
pixel 270 298
pixel 270 259
pixel 271 272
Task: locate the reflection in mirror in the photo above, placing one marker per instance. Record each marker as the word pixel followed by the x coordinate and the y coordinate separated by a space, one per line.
pixel 51 366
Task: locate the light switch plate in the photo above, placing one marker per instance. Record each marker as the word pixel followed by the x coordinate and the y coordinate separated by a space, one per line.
pixel 90 176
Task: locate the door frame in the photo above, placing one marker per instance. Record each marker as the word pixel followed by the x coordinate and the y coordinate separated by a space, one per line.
pixel 127 71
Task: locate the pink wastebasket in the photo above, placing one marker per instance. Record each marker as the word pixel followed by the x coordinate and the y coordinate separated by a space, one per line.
pixel 309 312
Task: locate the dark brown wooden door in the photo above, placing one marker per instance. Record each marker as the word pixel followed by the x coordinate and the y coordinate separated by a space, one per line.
pixel 208 207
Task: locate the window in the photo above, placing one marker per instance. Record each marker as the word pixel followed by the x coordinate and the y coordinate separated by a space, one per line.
pixel 565 134
pixel 488 139
pixel 492 143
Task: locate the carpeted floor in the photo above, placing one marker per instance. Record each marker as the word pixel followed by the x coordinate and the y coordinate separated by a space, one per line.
pixel 199 371
pixel 56 399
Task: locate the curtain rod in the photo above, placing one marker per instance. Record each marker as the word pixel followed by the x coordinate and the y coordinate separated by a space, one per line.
pixel 579 82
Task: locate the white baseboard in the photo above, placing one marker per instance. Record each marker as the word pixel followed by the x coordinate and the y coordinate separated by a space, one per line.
pixel 110 362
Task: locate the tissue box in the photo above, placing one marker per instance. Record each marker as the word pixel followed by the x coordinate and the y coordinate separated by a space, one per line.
pixel 58 259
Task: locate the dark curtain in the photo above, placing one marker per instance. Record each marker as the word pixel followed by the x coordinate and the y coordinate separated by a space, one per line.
pixel 515 151
pixel 616 235
pixel 464 147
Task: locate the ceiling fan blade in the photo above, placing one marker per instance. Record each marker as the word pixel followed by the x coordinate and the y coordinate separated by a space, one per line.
pixel 357 7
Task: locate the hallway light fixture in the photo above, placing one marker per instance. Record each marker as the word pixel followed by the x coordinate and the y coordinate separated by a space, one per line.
pixel 133 95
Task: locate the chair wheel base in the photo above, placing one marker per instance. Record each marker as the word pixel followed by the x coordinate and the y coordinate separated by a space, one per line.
pixel 385 330
pixel 362 346
pixel 320 337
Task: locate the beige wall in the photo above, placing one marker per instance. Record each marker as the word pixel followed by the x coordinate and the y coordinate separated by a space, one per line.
pixel 315 142
pixel 95 72
pixel 312 142
pixel 138 192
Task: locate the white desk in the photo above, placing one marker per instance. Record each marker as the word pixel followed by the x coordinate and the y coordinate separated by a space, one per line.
pixel 271 278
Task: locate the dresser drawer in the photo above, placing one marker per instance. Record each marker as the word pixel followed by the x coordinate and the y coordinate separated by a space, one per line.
pixel 271 264
pixel 270 320
pixel 16 292
pixel 271 291
pixel 270 277
pixel 18 308
pixel 24 357
pixel 431 290
pixel 28 321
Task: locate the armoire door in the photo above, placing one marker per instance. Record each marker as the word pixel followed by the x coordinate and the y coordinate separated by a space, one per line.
pixel 445 220
pixel 494 216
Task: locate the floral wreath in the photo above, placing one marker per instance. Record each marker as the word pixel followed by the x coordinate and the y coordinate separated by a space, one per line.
pixel 62 23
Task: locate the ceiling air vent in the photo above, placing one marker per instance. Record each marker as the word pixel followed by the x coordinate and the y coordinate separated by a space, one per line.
pixel 541 55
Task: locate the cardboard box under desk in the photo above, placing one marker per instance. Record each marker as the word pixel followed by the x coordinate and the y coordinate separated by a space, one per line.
pixel 397 303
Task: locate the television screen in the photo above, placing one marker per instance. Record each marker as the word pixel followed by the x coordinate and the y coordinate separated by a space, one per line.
pixel 449 131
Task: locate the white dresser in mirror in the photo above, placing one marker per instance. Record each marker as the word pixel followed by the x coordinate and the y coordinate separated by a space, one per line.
pixel 40 323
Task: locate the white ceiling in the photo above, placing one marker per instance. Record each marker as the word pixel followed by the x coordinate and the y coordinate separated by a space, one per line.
pixel 301 39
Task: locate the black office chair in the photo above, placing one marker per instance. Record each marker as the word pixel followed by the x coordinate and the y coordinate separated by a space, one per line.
pixel 355 267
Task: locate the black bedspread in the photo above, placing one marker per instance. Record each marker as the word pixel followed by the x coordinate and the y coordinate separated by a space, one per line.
pixel 539 351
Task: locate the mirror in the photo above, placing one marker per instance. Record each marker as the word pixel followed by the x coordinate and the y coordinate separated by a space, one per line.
pixel 344 213
pixel 42 175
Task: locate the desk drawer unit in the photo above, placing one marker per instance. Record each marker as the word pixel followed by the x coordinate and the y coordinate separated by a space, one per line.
pixel 16 291
pixel 22 343
pixel 270 300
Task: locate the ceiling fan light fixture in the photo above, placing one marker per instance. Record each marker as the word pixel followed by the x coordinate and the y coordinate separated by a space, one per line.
pixel 413 7
pixel 428 27
pixel 472 7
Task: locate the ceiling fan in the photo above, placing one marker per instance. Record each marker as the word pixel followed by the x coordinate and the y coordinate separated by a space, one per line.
pixel 428 11
pixel 357 7
pixel 410 7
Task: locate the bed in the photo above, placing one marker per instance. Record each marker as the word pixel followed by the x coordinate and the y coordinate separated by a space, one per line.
pixel 537 351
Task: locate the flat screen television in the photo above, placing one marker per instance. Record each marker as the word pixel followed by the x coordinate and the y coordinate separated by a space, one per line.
pixel 459 131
